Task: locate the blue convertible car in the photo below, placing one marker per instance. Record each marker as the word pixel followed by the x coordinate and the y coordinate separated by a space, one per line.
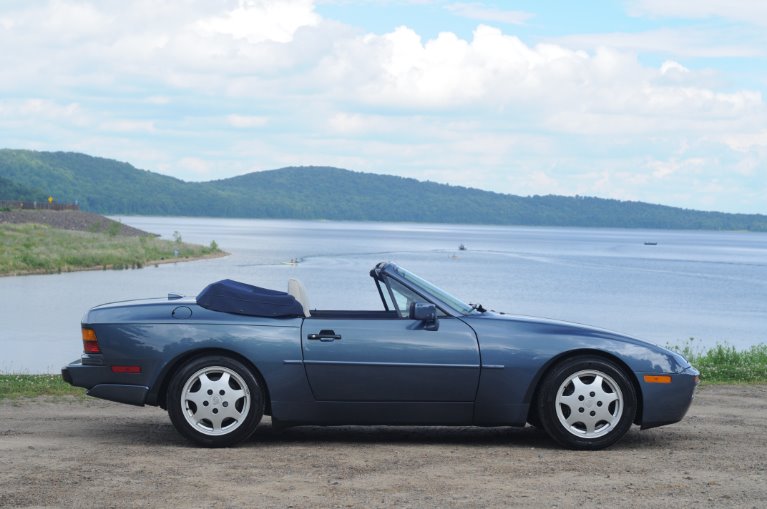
pixel 220 361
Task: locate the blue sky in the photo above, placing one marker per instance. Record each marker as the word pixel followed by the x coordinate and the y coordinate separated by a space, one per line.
pixel 645 100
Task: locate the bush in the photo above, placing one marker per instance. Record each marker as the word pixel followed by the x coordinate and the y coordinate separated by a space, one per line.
pixel 725 364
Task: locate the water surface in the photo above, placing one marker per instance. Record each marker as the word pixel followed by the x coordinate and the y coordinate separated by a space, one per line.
pixel 707 285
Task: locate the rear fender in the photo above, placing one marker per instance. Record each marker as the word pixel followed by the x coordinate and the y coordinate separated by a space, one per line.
pixel 158 393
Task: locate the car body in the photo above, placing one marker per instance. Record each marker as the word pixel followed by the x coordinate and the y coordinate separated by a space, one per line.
pixel 222 360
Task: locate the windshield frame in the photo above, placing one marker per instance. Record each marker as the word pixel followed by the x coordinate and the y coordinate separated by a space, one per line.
pixel 450 304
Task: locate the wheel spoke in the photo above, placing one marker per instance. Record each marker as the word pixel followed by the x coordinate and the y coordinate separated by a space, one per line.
pixel 234 396
pixel 232 412
pixel 223 382
pixel 197 398
pixel 205 382
pixel 571 400
pixel 574 419
pixel 603 414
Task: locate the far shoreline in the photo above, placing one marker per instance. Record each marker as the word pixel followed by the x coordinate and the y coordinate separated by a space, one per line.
pixel 119 217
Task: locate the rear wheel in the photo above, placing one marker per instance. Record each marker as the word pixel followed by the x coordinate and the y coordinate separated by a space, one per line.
pixel 586 402
pixel 215 401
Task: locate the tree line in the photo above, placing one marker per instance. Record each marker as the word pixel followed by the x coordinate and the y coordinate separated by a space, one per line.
pixel 112 187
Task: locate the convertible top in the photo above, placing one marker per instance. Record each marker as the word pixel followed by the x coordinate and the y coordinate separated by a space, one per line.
pixel 234 297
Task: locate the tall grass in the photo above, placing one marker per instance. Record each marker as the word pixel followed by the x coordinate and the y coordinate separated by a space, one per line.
pixel 19 386
pixel 34 248
pixel 726 364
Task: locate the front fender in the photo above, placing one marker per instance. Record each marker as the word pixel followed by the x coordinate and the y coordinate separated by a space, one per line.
pixel 517 352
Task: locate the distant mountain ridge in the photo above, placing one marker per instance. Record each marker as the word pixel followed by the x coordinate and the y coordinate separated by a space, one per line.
pixel 111 187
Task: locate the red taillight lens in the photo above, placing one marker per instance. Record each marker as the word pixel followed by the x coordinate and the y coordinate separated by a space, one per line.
pixel 90 343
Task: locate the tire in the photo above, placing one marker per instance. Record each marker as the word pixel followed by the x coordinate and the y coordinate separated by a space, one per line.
pixel 215 401
pixel 586 403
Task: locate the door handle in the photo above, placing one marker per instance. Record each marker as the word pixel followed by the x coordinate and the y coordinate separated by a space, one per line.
pixel 324 335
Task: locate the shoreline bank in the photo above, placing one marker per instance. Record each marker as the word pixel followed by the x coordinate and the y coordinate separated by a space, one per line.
pixel 40 242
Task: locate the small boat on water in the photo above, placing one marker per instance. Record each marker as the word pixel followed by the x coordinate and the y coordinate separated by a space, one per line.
pixel 462 248
pixel 650 243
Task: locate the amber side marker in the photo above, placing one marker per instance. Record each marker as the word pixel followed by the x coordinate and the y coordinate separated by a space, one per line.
pixel 657 379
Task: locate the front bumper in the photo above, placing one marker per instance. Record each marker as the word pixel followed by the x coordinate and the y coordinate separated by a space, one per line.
pixel 667 403
pixel 101 383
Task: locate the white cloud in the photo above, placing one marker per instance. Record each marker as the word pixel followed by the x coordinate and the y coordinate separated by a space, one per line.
pixel 747 11
pixel 180 87
pixel 707 42
pixel 548 85
pixel 197 166
pixel 263 20
pixel 671 67
pixel 130 126
pixel 481 12
pixel 36 111
pixel 158 100
pixel 246 121
pixel 664 169
pixel 742 142
pixel 351 123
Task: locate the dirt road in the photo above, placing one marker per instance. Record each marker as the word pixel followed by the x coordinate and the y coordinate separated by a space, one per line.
pixel 70 453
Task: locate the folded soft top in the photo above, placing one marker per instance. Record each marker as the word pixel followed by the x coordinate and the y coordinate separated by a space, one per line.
pixel 234 297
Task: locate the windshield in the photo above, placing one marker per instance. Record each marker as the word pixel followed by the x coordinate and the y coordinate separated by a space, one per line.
pixel 454 303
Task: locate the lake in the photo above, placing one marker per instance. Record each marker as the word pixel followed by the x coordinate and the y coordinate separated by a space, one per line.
pixel 660 285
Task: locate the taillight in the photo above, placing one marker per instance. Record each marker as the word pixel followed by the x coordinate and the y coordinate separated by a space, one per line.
pixel 90 343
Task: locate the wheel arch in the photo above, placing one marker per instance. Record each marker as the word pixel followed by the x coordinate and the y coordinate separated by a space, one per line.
pixel 532 393
pixel 157 395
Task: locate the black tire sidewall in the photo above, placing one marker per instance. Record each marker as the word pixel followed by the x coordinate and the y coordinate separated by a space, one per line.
pixel 176 410
pixel 547 402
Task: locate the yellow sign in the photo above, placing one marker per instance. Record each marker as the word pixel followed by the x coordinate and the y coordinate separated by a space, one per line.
pixel 50 199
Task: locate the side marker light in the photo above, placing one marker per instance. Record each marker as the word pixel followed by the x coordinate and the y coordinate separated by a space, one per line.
pixel 126 369
pixel 657 379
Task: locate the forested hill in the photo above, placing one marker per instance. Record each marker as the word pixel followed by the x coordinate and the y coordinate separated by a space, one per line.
pixel 111 187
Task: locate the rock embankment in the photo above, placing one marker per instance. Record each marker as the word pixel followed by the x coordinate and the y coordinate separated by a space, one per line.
pixel 71 220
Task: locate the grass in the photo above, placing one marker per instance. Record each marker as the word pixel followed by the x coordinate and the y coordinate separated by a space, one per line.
pixel 40 249
pixel 20 386
pixel 724 364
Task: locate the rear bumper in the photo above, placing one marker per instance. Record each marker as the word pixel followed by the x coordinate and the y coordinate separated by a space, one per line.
pixel 668 403
pixel 98 381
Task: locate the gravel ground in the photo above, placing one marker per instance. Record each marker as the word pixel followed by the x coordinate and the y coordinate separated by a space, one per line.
pixel 75 453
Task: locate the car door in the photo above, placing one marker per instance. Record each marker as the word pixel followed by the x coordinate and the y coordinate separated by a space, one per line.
pixel 393 359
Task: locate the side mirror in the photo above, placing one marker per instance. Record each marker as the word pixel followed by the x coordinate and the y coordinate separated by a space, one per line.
pixel 426 313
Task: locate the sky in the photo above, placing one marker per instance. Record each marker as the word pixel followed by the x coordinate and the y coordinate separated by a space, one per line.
pixel 651 100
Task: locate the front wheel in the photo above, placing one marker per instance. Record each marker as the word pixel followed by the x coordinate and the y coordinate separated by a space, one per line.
pixel 215 401
pixel 587 402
